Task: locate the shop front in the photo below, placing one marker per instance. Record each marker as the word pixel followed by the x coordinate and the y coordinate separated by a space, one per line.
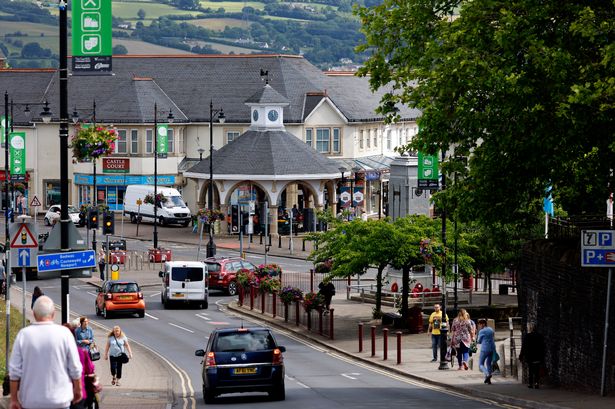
pixel 111 188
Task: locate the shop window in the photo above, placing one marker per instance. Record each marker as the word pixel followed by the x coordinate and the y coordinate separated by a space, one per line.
pixel 52 192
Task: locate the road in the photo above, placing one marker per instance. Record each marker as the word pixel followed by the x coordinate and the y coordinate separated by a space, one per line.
pixel 315 376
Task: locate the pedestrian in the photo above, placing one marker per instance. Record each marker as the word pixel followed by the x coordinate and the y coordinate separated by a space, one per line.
pixel 37 292
pixel 19 206
pixel 88 370
pixel 327 289
pixel 84 334
pixel 435 324
pixel 486 339
pixel 117 345
pixel 533 354
pixel 102 262
pixel 2 278
pixel 44 367
pixel 473 325
pixel 461 338
pixel 24 204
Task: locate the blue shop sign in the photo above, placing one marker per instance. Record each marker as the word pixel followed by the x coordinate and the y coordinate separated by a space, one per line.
pixel 372 175
pixel 123 180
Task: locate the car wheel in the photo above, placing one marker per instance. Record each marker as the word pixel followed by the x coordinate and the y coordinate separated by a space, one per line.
pixel 47 222
pixel 278 392
pixel 141 314
pixel 205 305
pixel 105 313
pixel 133 218
pixel 163 221
pixel 232 288
pixel 208 395
pixel 165 304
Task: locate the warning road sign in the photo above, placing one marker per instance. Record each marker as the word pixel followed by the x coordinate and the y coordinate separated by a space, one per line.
pixel 35 202
pixel 23 238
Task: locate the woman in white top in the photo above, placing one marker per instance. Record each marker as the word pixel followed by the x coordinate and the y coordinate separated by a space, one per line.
pixel 117 344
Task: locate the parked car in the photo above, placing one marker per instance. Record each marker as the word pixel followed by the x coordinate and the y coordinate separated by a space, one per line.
pixel 223 272
pixel 53 215
pixel 120 296
pixel 242 360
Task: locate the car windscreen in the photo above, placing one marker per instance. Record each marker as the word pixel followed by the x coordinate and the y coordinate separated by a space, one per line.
pixel 187 274
pixel 213 267
pixel 247 341
pixel 72 209
pixel 125 288
pixel 174 201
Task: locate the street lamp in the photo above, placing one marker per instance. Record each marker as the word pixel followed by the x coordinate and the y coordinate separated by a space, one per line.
pixel 211 246
pixel 170 119
pixel 75 119
pixel 444 326
pixel 339 189
pixel 353 181
pixel 200 151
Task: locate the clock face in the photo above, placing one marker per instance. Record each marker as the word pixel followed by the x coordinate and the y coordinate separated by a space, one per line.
pixel 255 115
pixel 273 115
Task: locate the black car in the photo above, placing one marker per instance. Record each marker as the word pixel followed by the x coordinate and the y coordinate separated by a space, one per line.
pixel 242 360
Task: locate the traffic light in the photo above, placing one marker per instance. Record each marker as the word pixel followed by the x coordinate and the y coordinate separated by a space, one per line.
pixel 234 218
pixel 93 219
pixel 245 219
pixel 108 223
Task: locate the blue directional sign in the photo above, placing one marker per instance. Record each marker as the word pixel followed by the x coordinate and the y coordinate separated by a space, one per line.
pixel 23 258
pixel 598 248
pixel 66 261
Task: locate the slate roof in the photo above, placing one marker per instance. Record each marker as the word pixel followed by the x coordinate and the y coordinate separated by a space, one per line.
pixel 279 153
pixel 186 83
pixel 267 95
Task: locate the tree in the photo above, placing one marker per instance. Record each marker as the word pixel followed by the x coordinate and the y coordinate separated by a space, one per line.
pixel 526 87
pixel 119 50
pixel 34 50
pixel 141 14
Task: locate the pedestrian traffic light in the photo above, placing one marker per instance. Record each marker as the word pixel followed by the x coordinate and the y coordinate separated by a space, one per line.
pixel 108 223
pixel 93 219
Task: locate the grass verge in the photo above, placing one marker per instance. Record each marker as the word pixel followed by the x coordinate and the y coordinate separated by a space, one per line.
pixel 14 328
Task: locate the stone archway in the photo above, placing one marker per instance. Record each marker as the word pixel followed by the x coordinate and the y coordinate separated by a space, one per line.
pixel 204 195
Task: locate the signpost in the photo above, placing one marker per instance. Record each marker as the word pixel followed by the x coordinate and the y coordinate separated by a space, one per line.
pixel 66 261
pixel 598 250
pixel 35 203
pixel 24 241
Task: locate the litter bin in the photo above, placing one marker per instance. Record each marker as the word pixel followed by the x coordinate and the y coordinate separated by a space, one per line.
pixel 503 289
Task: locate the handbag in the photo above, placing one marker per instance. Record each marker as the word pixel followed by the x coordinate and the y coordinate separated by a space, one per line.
pixel 123 358
pixel 94 352
pixel 92 385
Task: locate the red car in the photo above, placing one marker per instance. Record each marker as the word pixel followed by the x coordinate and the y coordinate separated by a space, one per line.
pixel 223 272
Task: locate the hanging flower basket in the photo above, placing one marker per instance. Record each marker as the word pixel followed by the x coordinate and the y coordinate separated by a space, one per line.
pixel 313 301
pixel 93 142
pixel 268 270
pixel 149 198
pixel 208 216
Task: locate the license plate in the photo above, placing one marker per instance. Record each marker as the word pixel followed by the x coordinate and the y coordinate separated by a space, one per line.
pixel 125 297
pixel 244 371
pixel 178 295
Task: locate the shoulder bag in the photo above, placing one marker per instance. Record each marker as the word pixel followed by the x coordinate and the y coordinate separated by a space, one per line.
pixel 123 357
pixel 94 352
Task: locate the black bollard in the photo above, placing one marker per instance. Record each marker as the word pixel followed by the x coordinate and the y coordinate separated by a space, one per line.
pixel 279 241
pixel 261 238
pixel 303 245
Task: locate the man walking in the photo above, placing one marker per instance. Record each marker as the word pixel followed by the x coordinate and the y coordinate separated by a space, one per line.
pixel 435 323
pixel 486 339
pixel 44 368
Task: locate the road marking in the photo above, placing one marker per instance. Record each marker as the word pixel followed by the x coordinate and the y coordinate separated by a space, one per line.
pixel 180 327
pixel 152 317
pixel 348 375
pixel 203 317
pixel 297 382
pixel 155 294
pixel 219 323
pixel 92 293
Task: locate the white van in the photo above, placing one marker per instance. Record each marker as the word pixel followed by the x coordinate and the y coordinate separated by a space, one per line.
pixel 171 210
pixel 184 282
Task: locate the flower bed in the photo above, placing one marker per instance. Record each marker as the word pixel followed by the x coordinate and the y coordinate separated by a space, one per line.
pixel 313 301
pixel 290 294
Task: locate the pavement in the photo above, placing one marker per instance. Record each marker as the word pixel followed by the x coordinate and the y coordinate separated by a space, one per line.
pixel 158 391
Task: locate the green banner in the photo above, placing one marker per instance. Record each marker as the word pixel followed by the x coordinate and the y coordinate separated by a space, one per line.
pixel 91 28
pixel 162 140
pixel 17 153
pixel 3 126
pixel 428 166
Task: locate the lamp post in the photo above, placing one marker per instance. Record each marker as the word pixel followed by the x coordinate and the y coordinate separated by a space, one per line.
pixel 211 246
pixel 200 151
pixel 353 181
pixel 339 190
pixel 444 326
pixel 75 119
pixel 170 119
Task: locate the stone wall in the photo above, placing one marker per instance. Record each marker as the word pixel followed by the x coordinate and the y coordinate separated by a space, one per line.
pixel 568 303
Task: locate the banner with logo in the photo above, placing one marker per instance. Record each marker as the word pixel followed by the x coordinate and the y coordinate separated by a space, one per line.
pixel 17 152
pixel 91 36
pixel 3 125
pixel 162 140
pixel 345 196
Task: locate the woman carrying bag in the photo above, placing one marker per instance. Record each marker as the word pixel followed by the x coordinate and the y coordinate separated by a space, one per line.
pixel 118 352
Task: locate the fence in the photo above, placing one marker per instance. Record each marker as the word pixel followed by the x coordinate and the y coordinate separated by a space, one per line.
pixel 308 281
pixel 270 304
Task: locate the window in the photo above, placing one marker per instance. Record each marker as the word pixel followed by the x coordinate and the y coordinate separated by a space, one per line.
pixel 389 139
pixel 149 141
pixel 181 144
pixel 121 145
pixel 171 140
pixel 368 139
pixel 375 138
pixel 134 141
pixel 323 136
pixel 336 141
pixel 361 139
pixel 308 137
pixel 231 136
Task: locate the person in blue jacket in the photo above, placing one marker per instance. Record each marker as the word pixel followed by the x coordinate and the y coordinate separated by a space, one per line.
pixel 486 339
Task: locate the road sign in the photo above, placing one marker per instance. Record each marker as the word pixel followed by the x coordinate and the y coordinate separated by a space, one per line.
pixel 23 237
pixel 24 257
pixel 66 261
pixel 598 248
pixel 35 202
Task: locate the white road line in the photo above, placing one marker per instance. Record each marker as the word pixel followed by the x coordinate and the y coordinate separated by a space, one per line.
pixel 152 317
pixel 155 294
pixel 92 293
pixel 345 375
pixel 180 327
pixel 203 317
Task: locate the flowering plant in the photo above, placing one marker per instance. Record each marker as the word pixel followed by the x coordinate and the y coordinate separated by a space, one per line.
pixel 149 198
pixel 208 216
pixel 290 294
pixel 313 301
pixel 93 142
pixel 269 284
pixel 324 267
pixel 247 278
pixel 271 270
